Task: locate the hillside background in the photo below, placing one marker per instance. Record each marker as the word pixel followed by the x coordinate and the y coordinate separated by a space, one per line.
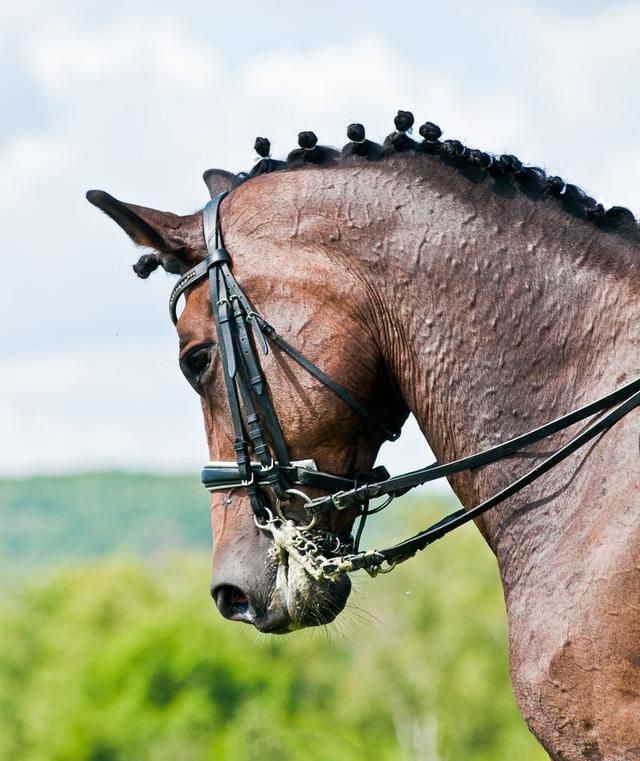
pixel 112 650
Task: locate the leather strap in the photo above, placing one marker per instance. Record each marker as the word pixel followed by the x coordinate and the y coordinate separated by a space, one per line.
pixel 420 541
pixel 400 484
pixel 223 476
pixel 253 417
pixel 270 332
pixel 215 254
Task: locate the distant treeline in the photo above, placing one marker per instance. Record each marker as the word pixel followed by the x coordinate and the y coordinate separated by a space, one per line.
pixel 126 658
pixel 49 519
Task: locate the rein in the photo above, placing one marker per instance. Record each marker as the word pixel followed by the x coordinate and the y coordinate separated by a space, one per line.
pixel 256 427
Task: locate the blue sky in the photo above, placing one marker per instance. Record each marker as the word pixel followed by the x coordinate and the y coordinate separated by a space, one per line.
pixel 140 98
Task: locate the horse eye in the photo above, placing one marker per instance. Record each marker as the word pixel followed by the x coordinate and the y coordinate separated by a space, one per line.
pixel 194 364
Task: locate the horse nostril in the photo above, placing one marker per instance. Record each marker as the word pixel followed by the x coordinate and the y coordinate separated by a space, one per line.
pixel 232 603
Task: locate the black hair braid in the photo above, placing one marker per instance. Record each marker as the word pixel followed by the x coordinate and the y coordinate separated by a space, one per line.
pixel 507 171
pixel 576 201
pixel 510 165
pixel 398 141
pixel 554 185
pixel 431 134
pixel 532 181
pixel 359 145
pixel 453 151
pixel 265 164
pixel 309 152
pixel 619 218
pixel 479 159
pixel 147 264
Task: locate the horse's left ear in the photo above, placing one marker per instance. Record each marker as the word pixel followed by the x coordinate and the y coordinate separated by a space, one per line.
pixel 178 241
pixel 218 181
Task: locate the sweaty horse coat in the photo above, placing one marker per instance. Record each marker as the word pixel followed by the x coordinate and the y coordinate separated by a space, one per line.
pixel 486 311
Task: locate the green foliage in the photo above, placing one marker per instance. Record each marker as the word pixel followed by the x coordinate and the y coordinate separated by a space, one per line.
pixel 51 519
pixel 123 662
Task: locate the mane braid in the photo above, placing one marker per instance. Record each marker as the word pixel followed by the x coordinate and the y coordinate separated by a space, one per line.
pixel 510 176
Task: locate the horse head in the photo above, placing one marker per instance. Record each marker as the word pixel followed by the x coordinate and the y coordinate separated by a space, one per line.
pixel 487 297
pixel 297 275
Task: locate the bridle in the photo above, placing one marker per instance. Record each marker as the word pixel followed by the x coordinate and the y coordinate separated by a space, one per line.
pixel 257 428
pixel 255 422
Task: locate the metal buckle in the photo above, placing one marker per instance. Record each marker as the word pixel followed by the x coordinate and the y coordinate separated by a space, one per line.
pixel 335 498
pixel 305 464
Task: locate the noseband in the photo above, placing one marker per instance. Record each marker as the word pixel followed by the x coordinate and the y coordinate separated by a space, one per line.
pixel 256 428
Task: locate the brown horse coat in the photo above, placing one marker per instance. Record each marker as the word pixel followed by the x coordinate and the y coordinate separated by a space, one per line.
pixel 490 313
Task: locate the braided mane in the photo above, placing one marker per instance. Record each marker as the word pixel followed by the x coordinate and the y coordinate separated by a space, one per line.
pixel 507 171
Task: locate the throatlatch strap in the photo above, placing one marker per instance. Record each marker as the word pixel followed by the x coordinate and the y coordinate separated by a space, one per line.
pixel 270 332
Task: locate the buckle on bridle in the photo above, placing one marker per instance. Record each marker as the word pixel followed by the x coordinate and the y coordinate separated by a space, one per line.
pixel 335 499
pixel 322 504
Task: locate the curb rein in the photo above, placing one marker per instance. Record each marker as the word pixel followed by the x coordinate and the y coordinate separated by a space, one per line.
pixel 322 554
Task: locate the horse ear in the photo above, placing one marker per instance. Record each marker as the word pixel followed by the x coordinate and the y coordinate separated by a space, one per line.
pixel 177 240
pixel 218 181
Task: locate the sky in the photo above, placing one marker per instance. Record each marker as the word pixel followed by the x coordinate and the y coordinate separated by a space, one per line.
pixel 138 98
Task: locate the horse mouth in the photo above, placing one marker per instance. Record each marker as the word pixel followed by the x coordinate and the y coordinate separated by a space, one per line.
pixel 307 601
pixel 294 600
pixel 278 587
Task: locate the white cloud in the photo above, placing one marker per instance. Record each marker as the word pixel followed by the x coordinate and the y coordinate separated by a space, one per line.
pixel 27 161
pixel 134 49
pixel 140 106
pixel 122 405
pixel 588 62
pixel 362 74
pixel 367 80
pixel 581 95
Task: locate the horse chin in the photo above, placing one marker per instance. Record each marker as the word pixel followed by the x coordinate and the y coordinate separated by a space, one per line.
pixel 300 601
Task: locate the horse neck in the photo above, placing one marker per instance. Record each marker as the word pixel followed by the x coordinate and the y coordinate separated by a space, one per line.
pixel 496 317
pixel 494 314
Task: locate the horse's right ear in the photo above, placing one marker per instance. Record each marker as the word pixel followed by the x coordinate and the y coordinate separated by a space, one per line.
pixel 218 181
pixel 177 240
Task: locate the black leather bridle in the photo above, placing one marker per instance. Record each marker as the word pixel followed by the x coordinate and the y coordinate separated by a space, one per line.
pixel 255 423
pixel 256 427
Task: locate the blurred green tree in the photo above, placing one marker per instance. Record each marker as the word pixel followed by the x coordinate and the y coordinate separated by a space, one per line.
pixel 125 662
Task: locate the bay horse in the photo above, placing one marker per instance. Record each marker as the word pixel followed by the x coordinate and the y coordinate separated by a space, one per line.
pixel 486 298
